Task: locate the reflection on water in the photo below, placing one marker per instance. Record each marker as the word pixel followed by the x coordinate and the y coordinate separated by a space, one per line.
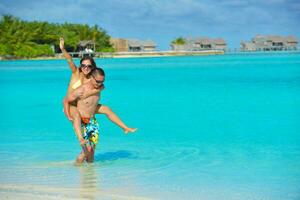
pixel 88 181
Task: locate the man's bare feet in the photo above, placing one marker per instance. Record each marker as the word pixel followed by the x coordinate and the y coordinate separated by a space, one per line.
pixel 80 159
pixel 129 130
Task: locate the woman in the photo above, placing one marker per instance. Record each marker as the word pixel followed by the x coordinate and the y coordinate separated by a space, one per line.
pixel 80 76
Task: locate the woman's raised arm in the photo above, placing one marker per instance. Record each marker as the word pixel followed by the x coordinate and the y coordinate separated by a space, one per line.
pixel 67 55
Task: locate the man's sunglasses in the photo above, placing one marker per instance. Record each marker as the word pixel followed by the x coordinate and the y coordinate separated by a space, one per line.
pixel 83 66
pixel 98 82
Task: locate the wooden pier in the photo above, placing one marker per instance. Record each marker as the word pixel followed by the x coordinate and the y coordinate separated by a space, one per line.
pixel 80 54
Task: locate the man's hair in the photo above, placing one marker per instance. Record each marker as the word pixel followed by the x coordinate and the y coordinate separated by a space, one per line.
pixel 91 59
pixel 98 71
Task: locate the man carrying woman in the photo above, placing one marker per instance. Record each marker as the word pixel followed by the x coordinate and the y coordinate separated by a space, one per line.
pixel 82 76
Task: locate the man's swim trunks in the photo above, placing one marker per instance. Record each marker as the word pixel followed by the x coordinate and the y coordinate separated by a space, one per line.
pixel 90 130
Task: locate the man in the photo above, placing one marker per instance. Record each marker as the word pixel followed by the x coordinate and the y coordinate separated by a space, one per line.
pixel 79 76
pixel 87 107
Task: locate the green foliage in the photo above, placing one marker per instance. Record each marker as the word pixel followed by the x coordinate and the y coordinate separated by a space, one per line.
pixel 3 50
pixel 107 49
pixel 32 50
pixel 31 39
pixel 179 41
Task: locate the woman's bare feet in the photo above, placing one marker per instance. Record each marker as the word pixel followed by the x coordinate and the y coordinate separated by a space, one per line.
pixel 129 130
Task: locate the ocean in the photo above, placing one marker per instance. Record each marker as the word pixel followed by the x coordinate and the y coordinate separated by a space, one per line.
pixel 209 127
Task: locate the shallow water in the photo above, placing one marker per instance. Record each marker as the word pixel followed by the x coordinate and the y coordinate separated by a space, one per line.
pixel 212 127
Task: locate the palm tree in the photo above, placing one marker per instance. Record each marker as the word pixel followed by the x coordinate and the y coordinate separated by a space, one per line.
pixel 30 39
pixel 179 41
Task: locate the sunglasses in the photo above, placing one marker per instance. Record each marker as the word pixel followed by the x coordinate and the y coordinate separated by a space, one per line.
pixel 89 66
pixel 98 82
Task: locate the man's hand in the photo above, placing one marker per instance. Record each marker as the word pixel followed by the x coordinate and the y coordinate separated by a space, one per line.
pixel 82 142
pixel 61 43
pixel 81 94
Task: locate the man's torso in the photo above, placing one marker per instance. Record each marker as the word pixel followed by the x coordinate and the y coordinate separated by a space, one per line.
pixel 87 106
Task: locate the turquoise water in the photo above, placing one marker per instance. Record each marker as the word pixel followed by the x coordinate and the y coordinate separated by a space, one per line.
pixel 213 127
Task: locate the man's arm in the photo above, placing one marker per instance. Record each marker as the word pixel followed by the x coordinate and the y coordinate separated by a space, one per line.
pixel 92 92
pixel 67 55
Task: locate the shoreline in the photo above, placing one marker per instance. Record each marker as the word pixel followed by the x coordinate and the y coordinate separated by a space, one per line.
pixel 59 56
pixel 161 54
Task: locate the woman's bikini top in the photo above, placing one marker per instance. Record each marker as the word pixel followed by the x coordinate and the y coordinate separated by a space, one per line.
pixel 76 84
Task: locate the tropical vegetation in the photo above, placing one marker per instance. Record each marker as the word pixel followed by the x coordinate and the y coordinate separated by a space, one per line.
pixel 179 41
pixel 23 39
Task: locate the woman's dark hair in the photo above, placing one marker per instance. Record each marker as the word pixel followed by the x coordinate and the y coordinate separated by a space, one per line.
pixel 91 59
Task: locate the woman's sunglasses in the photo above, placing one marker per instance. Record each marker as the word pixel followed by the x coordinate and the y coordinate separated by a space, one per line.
pixel 84 66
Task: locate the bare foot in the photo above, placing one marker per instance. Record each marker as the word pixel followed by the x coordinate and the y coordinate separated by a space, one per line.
pixel 130 130
pixel 77 163
pixel 80 159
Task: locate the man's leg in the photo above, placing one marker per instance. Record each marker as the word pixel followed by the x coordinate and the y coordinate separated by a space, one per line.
pixel 102 109
pixel 90 154
pixel 80 158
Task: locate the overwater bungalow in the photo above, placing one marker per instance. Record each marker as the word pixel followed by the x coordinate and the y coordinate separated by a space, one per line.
pixel 199 44
pixel 148 45
pixel 86 45
pixel 132 45
pixel 270 43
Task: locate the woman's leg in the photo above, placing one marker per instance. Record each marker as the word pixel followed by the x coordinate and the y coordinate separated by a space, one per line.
pixel 102 109
pixel 76 120
pixel 77 128
pixel 76 123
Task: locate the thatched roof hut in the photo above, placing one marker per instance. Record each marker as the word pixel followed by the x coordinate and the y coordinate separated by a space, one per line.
pixel 86 44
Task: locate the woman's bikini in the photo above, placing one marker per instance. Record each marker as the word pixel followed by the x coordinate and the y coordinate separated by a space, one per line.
pixel 76 84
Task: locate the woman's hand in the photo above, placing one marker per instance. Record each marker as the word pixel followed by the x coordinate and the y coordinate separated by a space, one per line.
pixel 61 43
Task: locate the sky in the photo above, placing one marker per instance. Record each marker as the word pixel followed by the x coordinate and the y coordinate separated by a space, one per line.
pixel 164 20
